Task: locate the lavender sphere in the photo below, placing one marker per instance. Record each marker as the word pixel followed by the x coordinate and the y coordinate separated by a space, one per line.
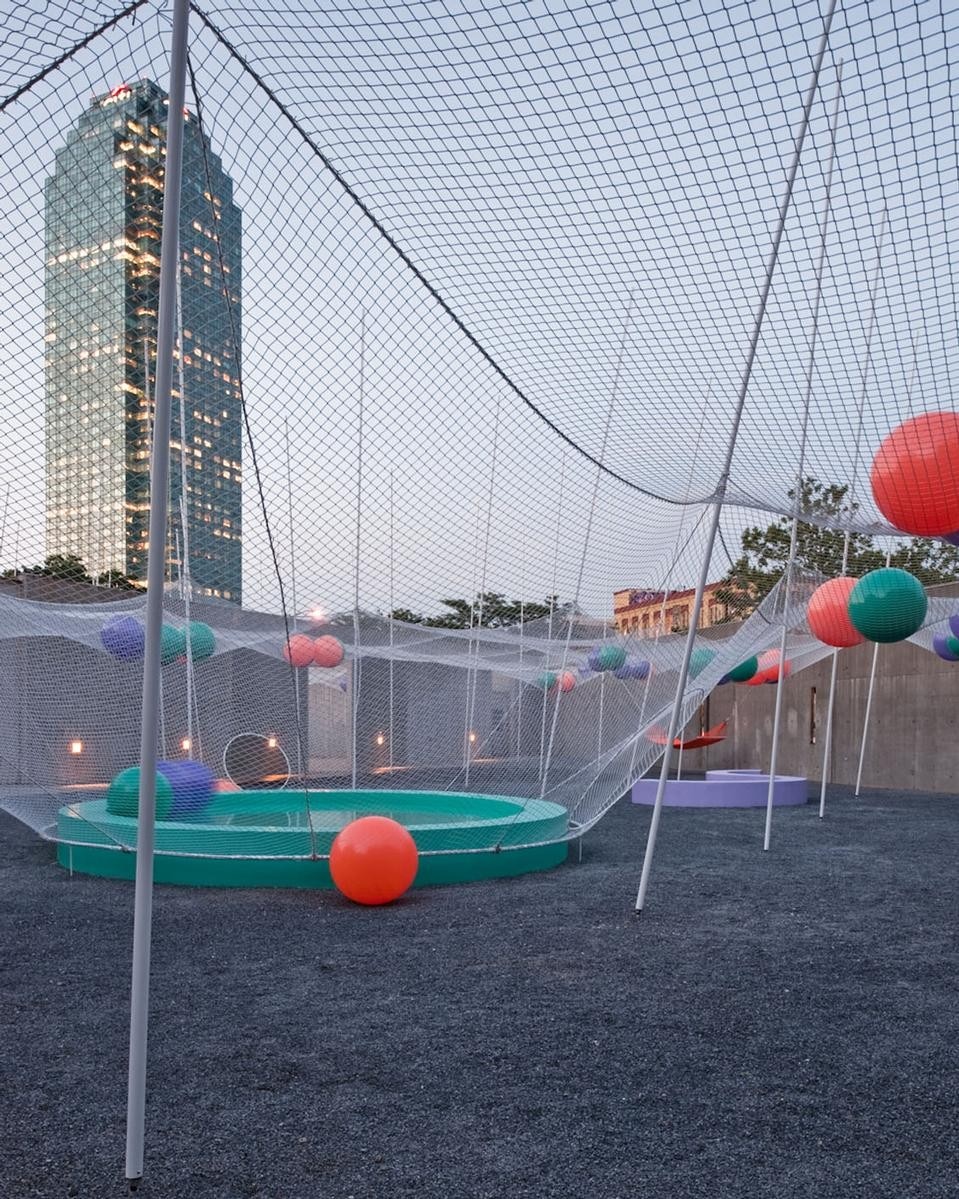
pixel 123 637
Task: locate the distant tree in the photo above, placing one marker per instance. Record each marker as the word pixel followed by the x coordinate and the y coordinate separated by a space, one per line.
pixel 765 551
pixel 61 566
pixel 492 608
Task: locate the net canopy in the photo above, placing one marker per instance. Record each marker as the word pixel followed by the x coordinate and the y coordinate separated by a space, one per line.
pixel 466 296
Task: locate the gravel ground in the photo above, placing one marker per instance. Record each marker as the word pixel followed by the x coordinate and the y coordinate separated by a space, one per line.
pixel 775 1025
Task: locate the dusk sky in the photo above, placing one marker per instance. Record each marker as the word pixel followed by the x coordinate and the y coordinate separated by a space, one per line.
pixel 592 189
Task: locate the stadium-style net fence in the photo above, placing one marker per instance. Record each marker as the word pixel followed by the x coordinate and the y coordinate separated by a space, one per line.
pixel 485 312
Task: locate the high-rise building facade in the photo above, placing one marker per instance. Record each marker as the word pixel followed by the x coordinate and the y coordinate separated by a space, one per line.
pixel 103 219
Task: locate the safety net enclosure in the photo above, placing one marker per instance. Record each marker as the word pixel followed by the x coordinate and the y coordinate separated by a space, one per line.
pixel 484 313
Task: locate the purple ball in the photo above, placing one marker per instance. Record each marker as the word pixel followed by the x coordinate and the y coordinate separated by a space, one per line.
pixel 940 643
pixel 192 786
pixel 633 668
pixel 952 538
pixel 954 625
pixel 123 637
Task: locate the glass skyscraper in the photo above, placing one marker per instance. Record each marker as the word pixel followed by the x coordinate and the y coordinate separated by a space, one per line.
pixel 103 218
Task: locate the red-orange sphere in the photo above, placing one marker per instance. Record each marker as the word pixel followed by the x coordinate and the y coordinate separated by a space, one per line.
pixel 567 681
pixel 224 786
pixel 298 651
pixel 327 651
pixel 828 614
pixel 373 860
pixel 915 475
pixel 769 671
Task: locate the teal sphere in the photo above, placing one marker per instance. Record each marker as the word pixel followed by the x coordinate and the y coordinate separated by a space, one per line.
pixel 611 657
pixel 888 605
pixel 202 640
pixel 123 794
pixel 745 670
pixel 546 680
pixel 700 659
pixel 172 644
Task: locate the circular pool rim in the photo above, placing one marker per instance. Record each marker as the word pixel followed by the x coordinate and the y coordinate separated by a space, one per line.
pixel 481 836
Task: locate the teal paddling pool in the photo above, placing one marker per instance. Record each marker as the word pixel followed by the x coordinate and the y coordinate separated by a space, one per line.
pixel 283 838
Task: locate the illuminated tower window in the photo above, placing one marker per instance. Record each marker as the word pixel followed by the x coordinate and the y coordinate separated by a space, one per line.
pixel 103 219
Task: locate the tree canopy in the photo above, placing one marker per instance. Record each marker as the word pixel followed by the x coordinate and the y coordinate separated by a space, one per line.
pixel 491 608
pixel 765 551
pixel 71 568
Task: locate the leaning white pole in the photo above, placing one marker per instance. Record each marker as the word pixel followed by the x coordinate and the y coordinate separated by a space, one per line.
pixel 357 664
pixel 867 366
pixel 159 488
pixel 297 702
pixel 730 450
pixel 827 745
pixel 869 693
pixel 865 723
pixel 787 582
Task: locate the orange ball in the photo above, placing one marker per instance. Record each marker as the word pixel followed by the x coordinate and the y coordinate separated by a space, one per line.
pixel 567 681
pixel 373 860
pixel 327 651
pixel 298 651
pixel 828 614
pixel 915 475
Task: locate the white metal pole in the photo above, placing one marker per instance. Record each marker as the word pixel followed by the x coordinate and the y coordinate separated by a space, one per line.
pixel 787 582
pixel 297 703
pixel 356 673
pixel 392 601
pixel 827 743
pixel 872 685
pixel 730 450
pixel 867 366
pixel 159 488
pixel 865 723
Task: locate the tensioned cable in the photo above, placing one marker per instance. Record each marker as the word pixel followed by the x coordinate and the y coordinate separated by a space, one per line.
pixel 235 337
pixel 68 54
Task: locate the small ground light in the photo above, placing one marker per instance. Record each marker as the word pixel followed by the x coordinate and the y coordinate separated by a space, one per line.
pixel 380 738
pixel 472 738
pixel 271 743
pixel 186 743
pixel 76 747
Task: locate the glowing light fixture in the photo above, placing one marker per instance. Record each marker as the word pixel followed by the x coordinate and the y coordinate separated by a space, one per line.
pixel 380 738
pixel 472 738
pixel 271 743
pixel 186 744
pixel 76 747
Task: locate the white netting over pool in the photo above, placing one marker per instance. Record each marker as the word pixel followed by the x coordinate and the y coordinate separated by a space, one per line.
pixel 468 324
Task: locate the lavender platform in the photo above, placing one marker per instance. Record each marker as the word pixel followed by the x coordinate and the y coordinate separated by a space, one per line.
pixel 724 789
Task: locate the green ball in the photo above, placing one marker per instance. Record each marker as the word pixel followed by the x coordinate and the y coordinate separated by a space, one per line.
pixel 888 605
pixel 172 644
pixel 953 643
pixel 546 680
pixel 611 657
pixel 700 659
pixel 123 794
pixel 745 670
pixel 202 640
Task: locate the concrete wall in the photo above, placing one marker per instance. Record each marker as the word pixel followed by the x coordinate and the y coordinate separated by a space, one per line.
pixel 914 731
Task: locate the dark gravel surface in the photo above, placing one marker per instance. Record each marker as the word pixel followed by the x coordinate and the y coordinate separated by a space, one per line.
pixel 775 1025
